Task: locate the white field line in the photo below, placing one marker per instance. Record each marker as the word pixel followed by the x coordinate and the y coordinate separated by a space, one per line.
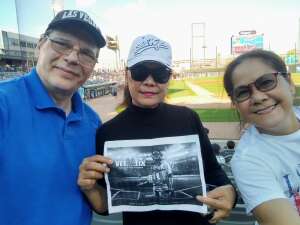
pixel 203 96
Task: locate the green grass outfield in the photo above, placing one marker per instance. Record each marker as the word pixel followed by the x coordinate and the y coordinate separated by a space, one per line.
pixel 212 84
pixel 217 115
pixel 298 91
pixel 211 115
pixel 178 88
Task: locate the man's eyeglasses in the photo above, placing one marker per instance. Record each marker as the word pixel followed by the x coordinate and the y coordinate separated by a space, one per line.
pixel 160 74
pixel 86 57
pixel 264 83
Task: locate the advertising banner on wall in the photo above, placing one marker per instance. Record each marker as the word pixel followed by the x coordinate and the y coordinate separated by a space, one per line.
pixel 246 41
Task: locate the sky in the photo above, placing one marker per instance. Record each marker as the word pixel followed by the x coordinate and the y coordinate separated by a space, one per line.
pixel 171 20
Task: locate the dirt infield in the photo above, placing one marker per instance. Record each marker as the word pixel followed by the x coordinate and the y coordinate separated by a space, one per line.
pixel 105 106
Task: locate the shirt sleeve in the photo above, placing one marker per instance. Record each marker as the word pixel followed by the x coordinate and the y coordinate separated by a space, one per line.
pixel 213 172
pixel 255 181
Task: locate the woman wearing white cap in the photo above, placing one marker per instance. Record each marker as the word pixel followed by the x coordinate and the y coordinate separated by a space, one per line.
pixel 146 117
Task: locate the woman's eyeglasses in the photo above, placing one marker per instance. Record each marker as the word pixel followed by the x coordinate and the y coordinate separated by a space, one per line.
pixel 160 74
pixel 264 83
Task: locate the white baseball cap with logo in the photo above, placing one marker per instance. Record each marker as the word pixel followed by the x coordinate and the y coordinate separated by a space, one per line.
pixel 150 48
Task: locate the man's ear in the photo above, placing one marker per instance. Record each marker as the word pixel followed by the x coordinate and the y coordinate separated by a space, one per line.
pixel 38 46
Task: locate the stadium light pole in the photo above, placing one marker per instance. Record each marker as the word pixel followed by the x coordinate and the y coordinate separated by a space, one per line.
pixel 17 5
pixel 113 44
pixel 57 5
pixel 198 33
pixel 204 44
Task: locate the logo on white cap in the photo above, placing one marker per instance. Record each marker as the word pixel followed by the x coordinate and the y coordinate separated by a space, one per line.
pixel 156 44
pixel 149 48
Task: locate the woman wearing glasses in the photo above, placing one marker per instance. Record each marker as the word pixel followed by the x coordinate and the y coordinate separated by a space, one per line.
pixel 267 159
pixel 146 117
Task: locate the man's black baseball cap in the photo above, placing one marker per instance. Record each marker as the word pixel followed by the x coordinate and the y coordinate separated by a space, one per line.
pixel 71 17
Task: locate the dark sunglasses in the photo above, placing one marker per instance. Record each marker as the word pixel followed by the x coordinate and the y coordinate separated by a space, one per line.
pixel 160 74
pixel 264 83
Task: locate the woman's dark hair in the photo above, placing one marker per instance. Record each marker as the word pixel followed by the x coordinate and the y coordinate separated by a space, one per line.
pixel 267 57
pixel 127 99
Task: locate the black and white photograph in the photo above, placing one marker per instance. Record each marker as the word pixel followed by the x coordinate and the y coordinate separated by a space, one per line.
pixel 155 174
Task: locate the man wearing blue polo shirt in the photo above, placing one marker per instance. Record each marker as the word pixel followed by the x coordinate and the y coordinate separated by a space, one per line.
pixel 46 130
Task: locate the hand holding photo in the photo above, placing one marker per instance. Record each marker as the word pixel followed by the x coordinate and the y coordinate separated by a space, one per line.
pixel 155 174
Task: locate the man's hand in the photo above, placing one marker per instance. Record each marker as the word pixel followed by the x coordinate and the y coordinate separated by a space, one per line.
pixel 221 199
pixel 91 169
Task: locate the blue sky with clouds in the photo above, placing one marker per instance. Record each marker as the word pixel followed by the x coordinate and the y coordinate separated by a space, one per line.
pixel 171 20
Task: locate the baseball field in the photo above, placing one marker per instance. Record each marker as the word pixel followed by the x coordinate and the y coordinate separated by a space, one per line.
pixel 208 98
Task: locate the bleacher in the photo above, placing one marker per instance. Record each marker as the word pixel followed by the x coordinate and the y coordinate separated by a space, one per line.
pixel 9 75
pixel 95 89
